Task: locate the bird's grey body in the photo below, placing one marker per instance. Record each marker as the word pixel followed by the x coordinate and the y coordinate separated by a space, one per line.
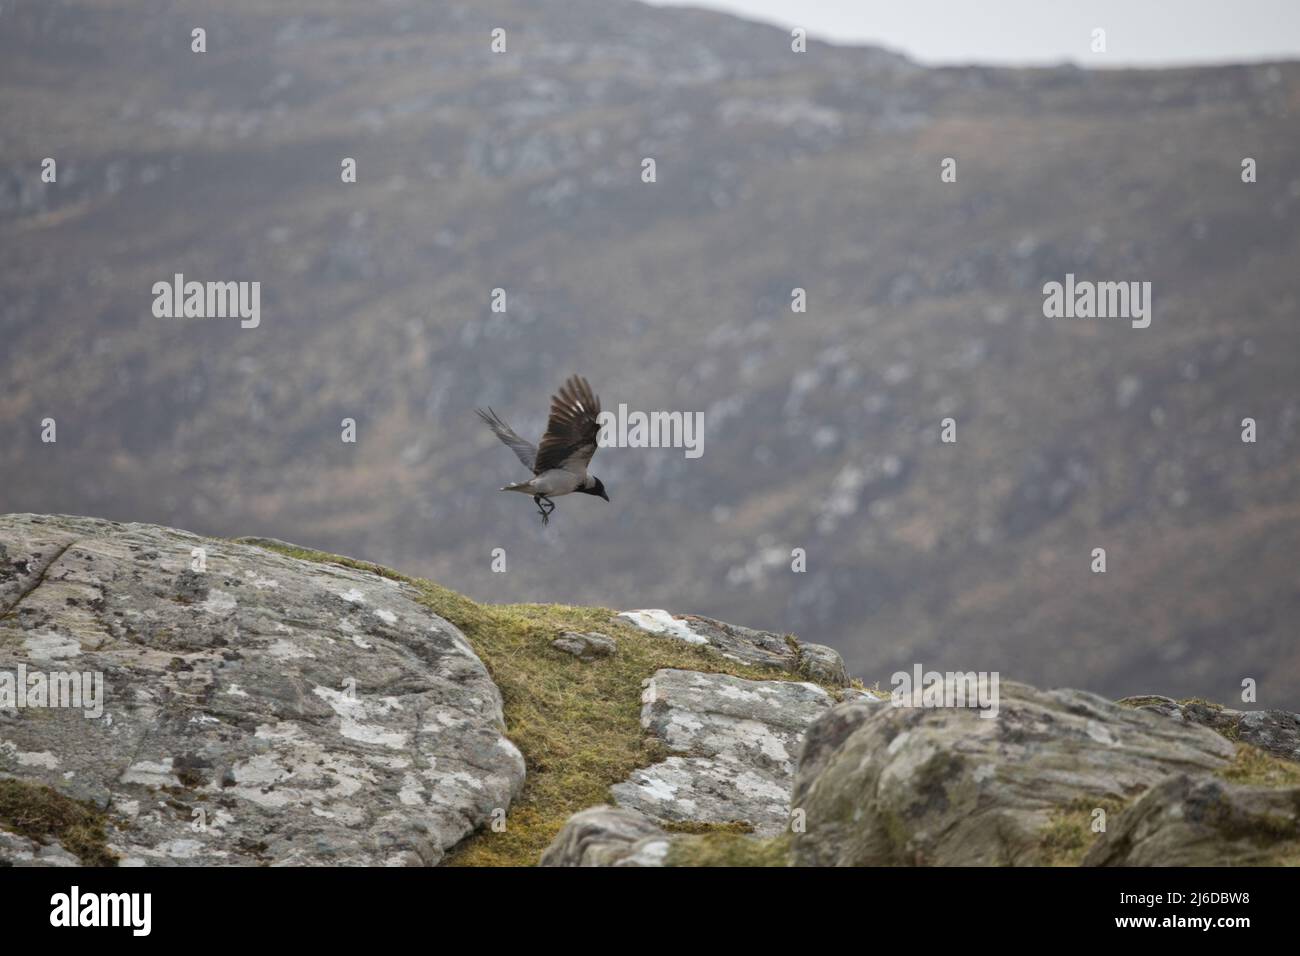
pixel 551 484
pixel 559 463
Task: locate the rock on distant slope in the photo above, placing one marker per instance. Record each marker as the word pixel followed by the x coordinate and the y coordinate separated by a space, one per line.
pixel 776 170
pixel 302 713
pixel 945 786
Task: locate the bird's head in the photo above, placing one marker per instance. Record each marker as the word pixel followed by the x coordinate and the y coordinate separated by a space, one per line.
pixel 595 487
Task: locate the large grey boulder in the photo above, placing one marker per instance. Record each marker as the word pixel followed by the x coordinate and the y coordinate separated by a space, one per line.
pixel 1274 731
pixel 259 709
pixel 745 645
pixel 1204 821
pixel 883 784
pixel 735 744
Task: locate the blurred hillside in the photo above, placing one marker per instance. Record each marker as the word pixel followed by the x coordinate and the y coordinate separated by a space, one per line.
pixel 775 170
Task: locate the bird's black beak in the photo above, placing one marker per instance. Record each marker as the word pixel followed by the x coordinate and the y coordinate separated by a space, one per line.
pixel 605 496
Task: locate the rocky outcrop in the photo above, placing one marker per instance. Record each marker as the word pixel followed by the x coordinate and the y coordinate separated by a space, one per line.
pixel 1204 821
pixel 1274 731
pixel 945 786
pixel 255 708
pixel 745 645
pixel 198 701
pixel 735 744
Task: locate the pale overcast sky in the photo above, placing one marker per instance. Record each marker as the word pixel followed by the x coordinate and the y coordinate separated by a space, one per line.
pixel 1145 32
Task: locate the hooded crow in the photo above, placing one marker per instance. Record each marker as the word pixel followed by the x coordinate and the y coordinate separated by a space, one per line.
pixel 559 463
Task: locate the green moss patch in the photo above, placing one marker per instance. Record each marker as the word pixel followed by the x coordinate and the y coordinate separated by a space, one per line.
pixel 46 816
pixel 1257 768
pixel 699 826
pixel 1146 700
pixel 1068 835
pixel 722 848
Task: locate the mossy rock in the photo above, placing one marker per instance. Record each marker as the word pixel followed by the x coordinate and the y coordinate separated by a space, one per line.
pixel 47 816
pixel 578 723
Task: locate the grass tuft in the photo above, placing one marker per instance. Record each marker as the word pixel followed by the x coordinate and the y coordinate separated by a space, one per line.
pixel 1257 768
pixel 729 848
pixel 1066 839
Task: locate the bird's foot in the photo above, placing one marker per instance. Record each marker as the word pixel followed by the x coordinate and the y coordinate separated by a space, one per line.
pixel 544 507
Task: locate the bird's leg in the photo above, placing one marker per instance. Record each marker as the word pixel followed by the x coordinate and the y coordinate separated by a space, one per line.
pixel 542 503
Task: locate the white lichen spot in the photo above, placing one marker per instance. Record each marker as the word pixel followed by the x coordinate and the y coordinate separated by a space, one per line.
pixel 48 646
pixel 683 723
pixel 1098 732
pixel 180 849
pixel 412 792
pixel 659 621
pixel 732 692
pixel 655 789
pixel 29 758
pixel 218 602
pixel 283 650
pixel 285 730
pixel 651 854
pixel 151 774
pixel 353 713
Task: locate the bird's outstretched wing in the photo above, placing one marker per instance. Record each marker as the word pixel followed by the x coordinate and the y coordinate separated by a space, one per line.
pixel 570 438
pixel 524 450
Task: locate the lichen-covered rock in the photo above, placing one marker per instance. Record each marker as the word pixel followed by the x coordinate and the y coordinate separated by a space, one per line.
pixel 1274 731
pixel 823 664
pixel 745 645
pixel 586 646
pixel 256 708
pixel 613 836
pixel 608 836
pixel 881 784
pixel 1204 821
pixel 19 850
pixel 735 743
